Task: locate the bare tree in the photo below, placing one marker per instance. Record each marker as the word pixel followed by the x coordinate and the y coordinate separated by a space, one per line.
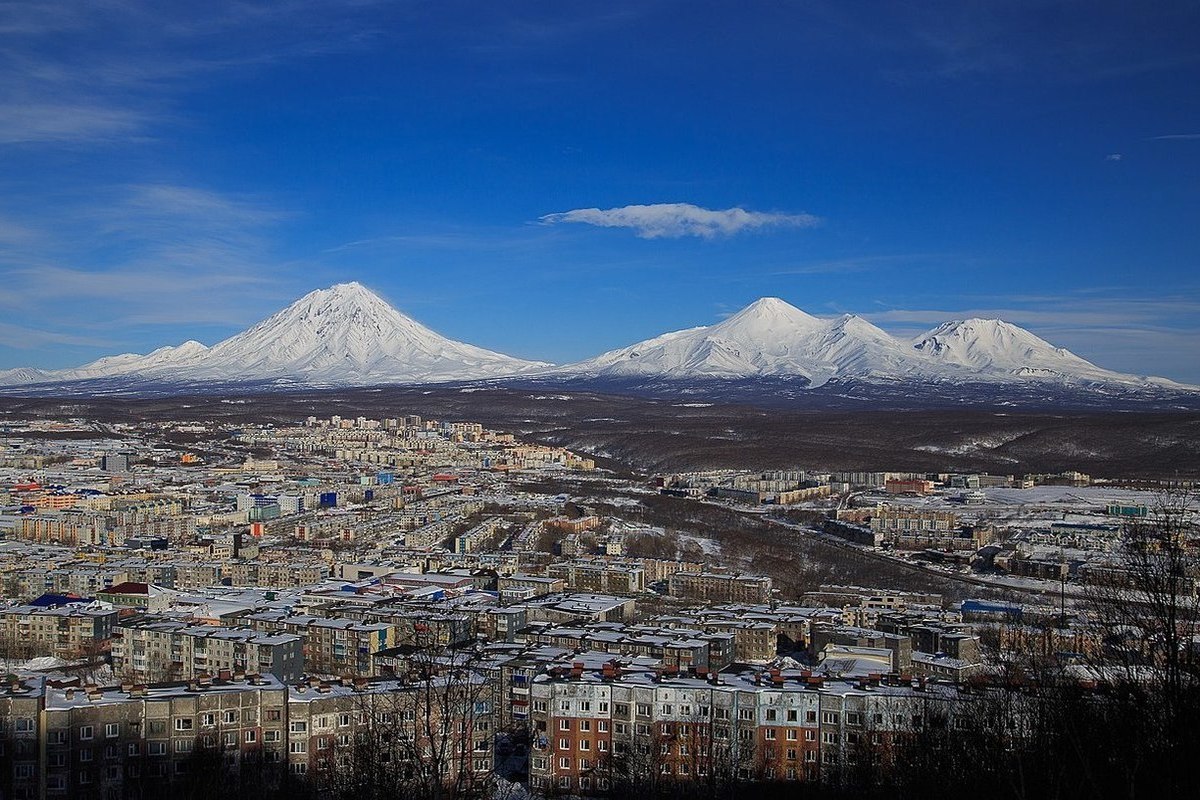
pixel 425 734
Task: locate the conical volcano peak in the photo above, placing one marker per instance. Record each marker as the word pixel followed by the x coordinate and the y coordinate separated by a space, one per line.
pixel 767 316
pixel 341 298
pixel 348 334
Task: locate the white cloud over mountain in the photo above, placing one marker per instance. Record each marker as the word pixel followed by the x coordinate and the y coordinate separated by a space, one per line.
pixel 673 220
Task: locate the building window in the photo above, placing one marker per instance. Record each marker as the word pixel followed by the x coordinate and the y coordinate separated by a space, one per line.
pixel 564 724
pixel 251 736
pixel 585 725
pixel 183 724
pixel 85 732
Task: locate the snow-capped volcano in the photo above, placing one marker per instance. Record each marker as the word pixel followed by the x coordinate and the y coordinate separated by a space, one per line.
pixel 771 338
pixel 348 334
pixel 999 349
pixel 343 335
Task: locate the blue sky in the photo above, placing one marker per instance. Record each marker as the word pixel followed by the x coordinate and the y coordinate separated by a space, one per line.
pixel 180 170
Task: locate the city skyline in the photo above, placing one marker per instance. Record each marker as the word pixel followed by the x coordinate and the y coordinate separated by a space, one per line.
pixel 601 175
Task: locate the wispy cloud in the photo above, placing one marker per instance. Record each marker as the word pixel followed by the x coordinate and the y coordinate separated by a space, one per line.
pixel 1177 136
pixel 59 122
pixel 147 254
pixel 113 69
pixel 673 220
pixel 21 337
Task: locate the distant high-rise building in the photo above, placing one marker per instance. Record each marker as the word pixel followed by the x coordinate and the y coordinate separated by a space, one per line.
pixel 115 462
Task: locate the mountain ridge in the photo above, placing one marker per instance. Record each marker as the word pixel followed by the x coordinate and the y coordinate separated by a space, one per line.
pixel 348 335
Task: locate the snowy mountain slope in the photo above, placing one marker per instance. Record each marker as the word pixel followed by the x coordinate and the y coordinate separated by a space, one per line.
pixel 347 335
pixel 343 335
pixel 770 338
pixel 767 338
pixel 22 375
pixel 1000 350
pixel 759 339
pixel 160 360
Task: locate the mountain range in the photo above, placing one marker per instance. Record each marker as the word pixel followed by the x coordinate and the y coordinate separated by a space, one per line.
pixel 347 335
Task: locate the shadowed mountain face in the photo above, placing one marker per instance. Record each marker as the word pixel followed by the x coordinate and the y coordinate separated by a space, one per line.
pixel 681 433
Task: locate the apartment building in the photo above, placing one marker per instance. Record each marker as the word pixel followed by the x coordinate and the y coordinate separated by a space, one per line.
pixel 908 528
pixel 437 730
pixel 70 631
pixel 520 586
pixel 678 647
pixel 903 519
pixel 63 740
pixel 591 725
pixel 147 650
pixel 720 587
pixel 917 486
pixel 614 577
pixel 331 646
